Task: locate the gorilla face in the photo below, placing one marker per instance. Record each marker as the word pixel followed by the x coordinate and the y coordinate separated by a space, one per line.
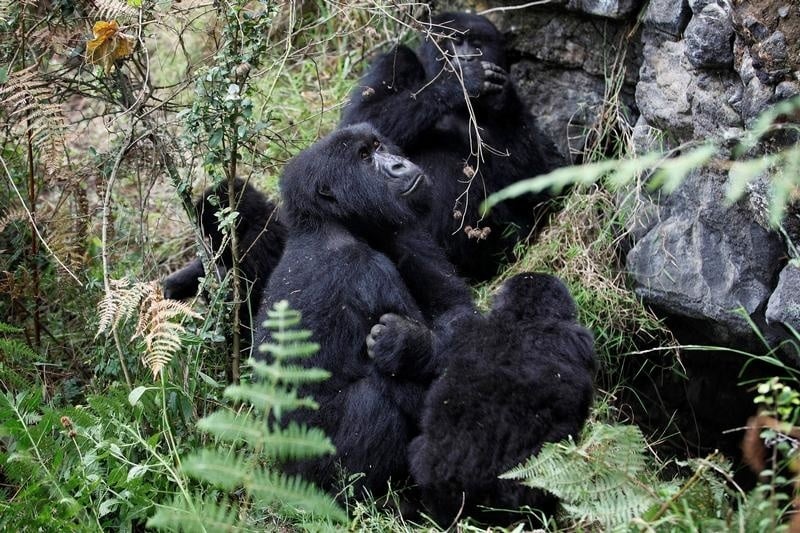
pixel 355 177
pixel 464 38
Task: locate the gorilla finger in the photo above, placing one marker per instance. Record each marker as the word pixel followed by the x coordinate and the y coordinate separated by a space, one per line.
pixel 493 67
pixel 489 87
pixel 376 331
pixel 494 76
pixel 388 318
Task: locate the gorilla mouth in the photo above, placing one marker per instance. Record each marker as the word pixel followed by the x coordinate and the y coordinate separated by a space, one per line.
pixel 413 186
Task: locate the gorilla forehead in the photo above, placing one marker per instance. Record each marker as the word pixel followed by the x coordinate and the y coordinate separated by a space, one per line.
pixel 335 153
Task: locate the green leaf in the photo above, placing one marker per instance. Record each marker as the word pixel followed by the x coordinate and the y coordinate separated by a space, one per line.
pixel 136 394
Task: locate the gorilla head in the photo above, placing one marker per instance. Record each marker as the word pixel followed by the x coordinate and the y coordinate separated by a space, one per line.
pixel 465 39
pixel 354 177
pixel 529 296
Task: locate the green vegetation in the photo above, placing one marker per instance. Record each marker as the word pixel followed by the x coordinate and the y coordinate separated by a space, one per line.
pixel 114 409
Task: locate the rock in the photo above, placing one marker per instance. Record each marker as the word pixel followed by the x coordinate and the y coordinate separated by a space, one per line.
pixel 615 9
pixel 662 93
pixel 669 16
pixel 784 304
pixel 714 99
pixel 571 41
pixel 697 5
pixel 757 95
pixel 709 38
pixel 786 90
pixel 565 102
pixel 703 260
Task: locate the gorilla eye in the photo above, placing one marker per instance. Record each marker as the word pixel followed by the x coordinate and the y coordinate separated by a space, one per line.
pixel 376 144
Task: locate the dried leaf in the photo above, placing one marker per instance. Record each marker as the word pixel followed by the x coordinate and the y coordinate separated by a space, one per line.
pixel 108 45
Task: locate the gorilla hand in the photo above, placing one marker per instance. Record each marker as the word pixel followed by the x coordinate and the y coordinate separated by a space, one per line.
pixel 482 78
pixel 395 343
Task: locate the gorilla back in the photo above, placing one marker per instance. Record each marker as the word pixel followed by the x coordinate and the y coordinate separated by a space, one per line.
pixel 346 189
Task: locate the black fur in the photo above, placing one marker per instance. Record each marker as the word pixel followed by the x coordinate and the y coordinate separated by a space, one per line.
pixel 417 100
pixel 260 236
pixel 345 198
pixel 511 381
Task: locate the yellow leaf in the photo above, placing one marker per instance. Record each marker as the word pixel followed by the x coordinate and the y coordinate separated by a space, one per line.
pixel 108 45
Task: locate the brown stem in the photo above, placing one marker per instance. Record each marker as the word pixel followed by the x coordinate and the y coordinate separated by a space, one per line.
pixel 232 200
pixel 34 255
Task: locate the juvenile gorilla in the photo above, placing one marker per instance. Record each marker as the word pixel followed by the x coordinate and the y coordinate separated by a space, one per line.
pixel 510 382
pixel 418 101
pixel 342 199
pixel 260 237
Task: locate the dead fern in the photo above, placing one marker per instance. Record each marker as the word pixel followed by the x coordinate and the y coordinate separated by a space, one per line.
pixel 112 9
pixel 30 109
pixel 159 324
pixel 12 215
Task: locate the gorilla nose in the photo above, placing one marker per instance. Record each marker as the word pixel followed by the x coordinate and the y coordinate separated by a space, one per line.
pixel 400 167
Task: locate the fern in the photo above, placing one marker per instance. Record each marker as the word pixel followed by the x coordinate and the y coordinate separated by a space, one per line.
pixel 255 438
pixel 606 481
pixel 16 360
pixel 112 9
pixel 157 325
pixel 28 97
pixel 203 514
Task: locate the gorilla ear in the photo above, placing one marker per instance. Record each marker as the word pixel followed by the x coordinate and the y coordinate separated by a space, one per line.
pixel 325 191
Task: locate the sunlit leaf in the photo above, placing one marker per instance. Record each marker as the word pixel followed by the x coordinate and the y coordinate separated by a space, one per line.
pixel 109 44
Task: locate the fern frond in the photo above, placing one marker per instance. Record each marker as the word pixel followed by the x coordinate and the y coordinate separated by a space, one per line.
pixel 157 326
pixel 15 350
pixel 112 9
pixel 296 494
pixel 12 215
pixel 265 399
pixel 232 427
pixel 288 374
pixel 8 328
pixel 203 514
pixel 224 470
pixel 31 106
pixel 601 480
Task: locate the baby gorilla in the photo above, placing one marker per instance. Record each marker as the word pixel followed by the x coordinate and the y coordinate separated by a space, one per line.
pixel 510 382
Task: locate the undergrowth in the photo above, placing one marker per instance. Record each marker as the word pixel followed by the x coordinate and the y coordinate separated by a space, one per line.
pixel 100 162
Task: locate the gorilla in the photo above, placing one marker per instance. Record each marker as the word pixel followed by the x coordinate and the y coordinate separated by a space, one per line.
pixel 351 238
pixel 509 382
pixel 432 104
pixel 260 238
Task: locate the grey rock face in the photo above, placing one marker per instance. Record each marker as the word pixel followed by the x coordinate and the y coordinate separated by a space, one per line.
pixel 709 38
pixel 715 97
pixel 704 262
pixel 570 41
pixel 662 93
pixel 784 304
pixel 615 9
pixel 565 102
pixel 669 16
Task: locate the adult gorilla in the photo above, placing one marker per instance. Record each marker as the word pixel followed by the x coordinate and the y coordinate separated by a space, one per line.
pixel 423 102
pixel 344 197
pixel 510 382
